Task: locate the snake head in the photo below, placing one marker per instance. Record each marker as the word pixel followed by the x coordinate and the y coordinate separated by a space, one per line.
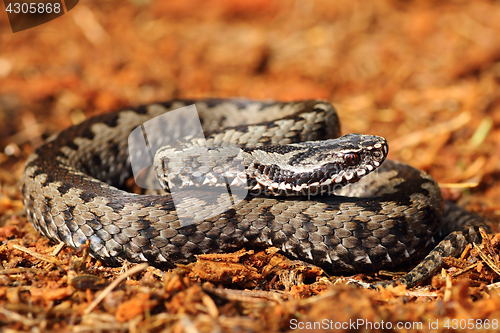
pixel 353 156
pixel 317 167
pixel 306 168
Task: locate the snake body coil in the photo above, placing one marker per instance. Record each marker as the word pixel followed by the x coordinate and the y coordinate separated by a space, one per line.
pixel 73 189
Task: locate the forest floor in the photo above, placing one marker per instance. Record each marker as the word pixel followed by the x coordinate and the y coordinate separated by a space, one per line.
pixel 423 74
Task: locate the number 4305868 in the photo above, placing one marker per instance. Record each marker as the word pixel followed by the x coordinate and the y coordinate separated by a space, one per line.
pixel 34 8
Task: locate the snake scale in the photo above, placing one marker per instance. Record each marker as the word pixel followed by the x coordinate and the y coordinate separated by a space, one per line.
pixel 74 190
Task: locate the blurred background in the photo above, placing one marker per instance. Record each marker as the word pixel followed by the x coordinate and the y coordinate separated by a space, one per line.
pixel 424 74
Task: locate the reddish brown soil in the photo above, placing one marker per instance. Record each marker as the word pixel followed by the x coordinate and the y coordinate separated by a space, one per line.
pixel 423 74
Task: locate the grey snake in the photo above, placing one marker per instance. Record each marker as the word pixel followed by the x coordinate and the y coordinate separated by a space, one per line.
pixel 74 190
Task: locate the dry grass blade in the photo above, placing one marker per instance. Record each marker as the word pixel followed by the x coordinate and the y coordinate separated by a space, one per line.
pixel 104 321
pixel 114 284
pixel 14 316
pixel 487 260
pixel 19 270
pixel 447 290
pixel 427 134
pixel 58 249
pixel 459 185
pixel 481 132
pixel 421 293
pixel 37 255
pixel 463 270
pixel 247 295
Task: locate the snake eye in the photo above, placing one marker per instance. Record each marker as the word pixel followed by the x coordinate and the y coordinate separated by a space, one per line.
pixel 351 159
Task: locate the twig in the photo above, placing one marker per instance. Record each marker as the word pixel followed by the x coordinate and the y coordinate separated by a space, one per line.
pixel 466 252
pixel 114 284
pixel 58 249
pixel 18 270
pixel 245 295
pixel 37 255
pixel 458 185
pixel 447 290
pixel 487 260
pixel 481 132
pixel 463 270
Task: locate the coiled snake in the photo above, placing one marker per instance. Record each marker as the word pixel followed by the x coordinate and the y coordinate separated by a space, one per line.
pixel 73 189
